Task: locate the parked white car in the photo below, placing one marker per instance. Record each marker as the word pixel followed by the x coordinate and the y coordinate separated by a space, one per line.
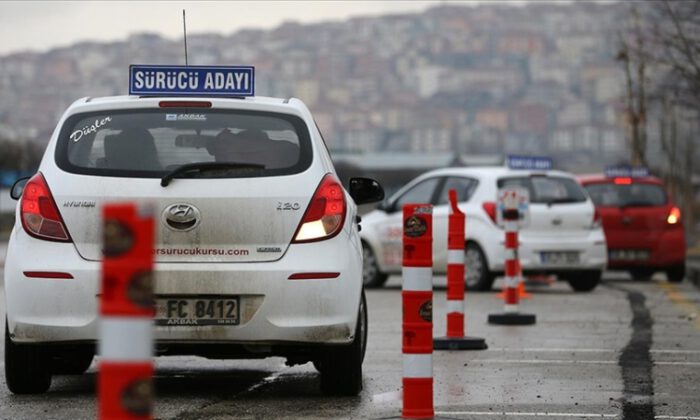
pixel 563 237
pixel 250 216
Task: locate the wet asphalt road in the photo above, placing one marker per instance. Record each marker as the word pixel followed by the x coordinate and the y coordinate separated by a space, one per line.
pixel 628 350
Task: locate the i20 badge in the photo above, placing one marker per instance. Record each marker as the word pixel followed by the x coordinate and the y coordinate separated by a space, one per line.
pixel 181 217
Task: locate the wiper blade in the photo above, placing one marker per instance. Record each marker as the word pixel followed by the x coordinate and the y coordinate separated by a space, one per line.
pixel 637 204
pixel 204 166
pixel 563 201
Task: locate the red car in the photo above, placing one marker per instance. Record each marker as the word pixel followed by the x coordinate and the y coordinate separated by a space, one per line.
pixel 643 228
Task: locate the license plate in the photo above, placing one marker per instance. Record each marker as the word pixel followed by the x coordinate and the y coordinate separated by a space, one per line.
pixel 197 311
pixel 559 257
pixel 628 254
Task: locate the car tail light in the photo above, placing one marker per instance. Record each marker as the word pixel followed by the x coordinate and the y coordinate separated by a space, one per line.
pixel 674 216
pixel 325 214
pixel 623 181
pixel 490 209
pixel 597 220
pixel 39 214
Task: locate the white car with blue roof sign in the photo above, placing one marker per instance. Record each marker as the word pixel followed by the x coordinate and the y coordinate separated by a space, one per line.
pixel 249 214
pixel 562 233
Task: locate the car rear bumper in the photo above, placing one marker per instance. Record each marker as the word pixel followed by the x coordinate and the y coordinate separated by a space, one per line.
pixel 666 249
pixel 273 309
pixel 589 246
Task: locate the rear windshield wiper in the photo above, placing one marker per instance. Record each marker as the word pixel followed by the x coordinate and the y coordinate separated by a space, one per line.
pixel 204 166
pixel 563 201
pixel 637 204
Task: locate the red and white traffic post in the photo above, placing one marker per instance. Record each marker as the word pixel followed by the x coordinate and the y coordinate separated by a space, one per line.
pixel 510 216
pixel 125 378
pixel 455 339
pixel 417 296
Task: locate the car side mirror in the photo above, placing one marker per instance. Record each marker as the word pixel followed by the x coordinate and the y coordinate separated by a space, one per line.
pixel 18 188
pixel 365 190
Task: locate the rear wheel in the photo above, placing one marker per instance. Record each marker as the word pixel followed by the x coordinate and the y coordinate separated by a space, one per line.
pixel 341 366
pixel 476 271
pixel 676 273
pixel 371 275
pixel 27 367
pixel 584 281
pixel 641 274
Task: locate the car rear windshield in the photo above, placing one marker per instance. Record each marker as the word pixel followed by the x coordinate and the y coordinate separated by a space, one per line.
pixel 627 195
pixel 152 142
pixel 547 189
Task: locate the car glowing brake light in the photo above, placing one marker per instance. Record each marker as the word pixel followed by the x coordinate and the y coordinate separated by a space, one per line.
pixel 325 215
pixel 674 216
pixel 39 214
pixel 490 209
pixel 623 181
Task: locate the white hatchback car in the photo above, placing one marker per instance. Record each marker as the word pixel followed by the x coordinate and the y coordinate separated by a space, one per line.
pixel 248 209
pixel 563 237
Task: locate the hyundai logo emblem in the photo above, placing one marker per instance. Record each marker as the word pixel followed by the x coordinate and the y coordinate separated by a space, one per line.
pixel 181 217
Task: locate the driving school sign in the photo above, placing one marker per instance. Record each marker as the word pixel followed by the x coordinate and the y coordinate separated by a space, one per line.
pixel 191 80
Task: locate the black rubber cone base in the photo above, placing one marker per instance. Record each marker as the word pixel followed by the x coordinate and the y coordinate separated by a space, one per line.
pixel 512 318
pixel 459 343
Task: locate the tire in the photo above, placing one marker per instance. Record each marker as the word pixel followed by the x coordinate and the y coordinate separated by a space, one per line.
pixel 676 274
pixel 74 362
pixel 476 270
pixel 27 367
pixel 641 274
pixel 584 281
pixel 341 366
pixel 372 277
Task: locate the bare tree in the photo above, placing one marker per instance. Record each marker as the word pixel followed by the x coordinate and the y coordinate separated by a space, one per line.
pixel 676 48
pixel 676 35
pixel 635 59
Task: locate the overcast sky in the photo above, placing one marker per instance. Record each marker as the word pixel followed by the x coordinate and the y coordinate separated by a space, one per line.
pixel 41 25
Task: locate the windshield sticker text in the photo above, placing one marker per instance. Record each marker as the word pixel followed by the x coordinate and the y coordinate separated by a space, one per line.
pixel 185 117
pixel 91 128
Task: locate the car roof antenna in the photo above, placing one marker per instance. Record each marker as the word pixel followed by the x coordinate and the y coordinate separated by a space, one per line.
pixel 184 30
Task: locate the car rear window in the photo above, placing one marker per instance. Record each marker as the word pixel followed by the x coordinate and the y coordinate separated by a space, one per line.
pixel 627 195
pixel 547 189
pixel 151 142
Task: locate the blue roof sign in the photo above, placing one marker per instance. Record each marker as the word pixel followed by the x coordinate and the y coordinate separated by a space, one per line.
pixel 626 171
pixel 191 80
pixel 540 163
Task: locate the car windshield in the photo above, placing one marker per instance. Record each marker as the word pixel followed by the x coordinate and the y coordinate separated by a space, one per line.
pixel 152 142
pixel 547 189
pixel 621 195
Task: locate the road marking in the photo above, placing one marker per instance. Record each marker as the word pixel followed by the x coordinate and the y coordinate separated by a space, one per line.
pixel 526 414
pixel 556 350
pixel 547 361
pixel 572 362
pixel 676 351
pixel 677 417
pixel 682 302
pixel 548 414
pixel 678 363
